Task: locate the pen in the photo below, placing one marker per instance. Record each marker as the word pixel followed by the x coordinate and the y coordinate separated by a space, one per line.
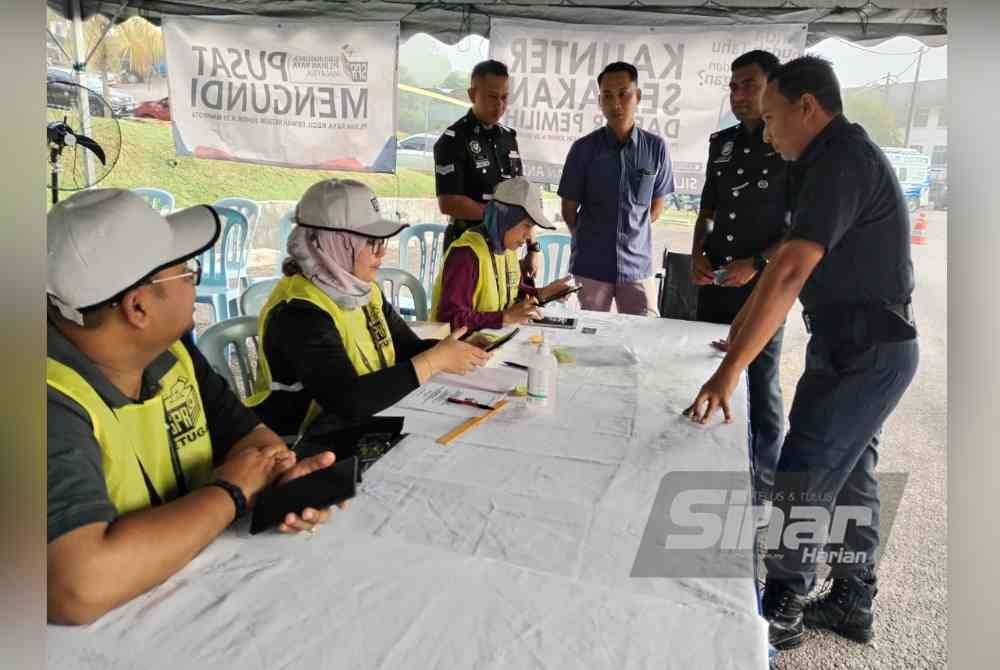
pixel 515 365
pixel 470 402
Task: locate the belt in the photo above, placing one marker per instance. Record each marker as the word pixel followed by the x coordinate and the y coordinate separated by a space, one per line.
pixel 864 323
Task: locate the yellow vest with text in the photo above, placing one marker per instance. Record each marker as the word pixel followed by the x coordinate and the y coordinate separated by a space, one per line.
pixel 166 433
pixel 489 294
pixel 352 325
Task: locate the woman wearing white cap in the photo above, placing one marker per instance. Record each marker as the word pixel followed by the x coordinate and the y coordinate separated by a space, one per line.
pixel 480 283
pixel 328 340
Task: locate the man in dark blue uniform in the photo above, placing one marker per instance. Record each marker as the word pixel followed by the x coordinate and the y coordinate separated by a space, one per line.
pixel 743 202
pixel 475 154
pixel 847 258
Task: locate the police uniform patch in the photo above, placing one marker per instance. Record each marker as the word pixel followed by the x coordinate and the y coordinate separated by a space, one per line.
pixel 449 132
pixel 727 148
pixel 475 148
pixel 444 169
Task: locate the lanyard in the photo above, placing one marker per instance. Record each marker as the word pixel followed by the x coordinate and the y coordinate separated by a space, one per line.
pixel 378 339
pixel 496 276
pixel 175 462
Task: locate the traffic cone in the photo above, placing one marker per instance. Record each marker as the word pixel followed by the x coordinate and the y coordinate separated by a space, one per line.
pixel 919 235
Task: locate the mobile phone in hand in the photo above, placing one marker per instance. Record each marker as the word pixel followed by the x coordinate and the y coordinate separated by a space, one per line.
pixel 319 489
pixel 559 296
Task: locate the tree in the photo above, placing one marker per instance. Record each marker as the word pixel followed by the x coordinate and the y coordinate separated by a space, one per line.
pixel 426 61
pixel 869 108
pixel 141 43
pixel 457 81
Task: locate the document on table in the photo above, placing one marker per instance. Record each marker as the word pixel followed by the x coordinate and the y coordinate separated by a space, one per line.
pixel 432 397
pixel 489 379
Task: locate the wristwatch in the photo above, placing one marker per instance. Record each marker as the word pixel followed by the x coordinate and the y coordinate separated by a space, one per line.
pixel 534 247
pixel 759 262
pixel 235 492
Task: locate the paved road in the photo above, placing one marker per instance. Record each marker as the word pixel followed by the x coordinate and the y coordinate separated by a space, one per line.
pixel 911 609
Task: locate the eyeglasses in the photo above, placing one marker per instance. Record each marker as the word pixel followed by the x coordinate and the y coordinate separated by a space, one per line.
pixel 377 246
pixel 193 266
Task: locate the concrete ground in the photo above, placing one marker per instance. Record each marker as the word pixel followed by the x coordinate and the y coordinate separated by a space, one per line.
pixel 911 607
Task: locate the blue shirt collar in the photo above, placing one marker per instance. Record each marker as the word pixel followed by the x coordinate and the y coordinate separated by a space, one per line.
pixel 609 135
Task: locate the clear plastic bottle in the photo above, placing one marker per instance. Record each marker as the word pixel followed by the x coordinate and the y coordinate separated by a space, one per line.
pixel 542 371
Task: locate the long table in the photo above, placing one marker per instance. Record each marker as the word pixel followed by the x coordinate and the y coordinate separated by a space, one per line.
pixel 512 547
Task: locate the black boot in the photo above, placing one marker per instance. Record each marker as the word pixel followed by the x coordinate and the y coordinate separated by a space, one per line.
pixel 846 608
pixel 783 611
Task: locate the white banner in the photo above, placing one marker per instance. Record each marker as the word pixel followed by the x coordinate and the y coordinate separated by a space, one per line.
pixel 683 75
pixel 302 93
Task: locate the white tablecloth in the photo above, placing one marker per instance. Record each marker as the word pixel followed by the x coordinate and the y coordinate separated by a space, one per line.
pixel 510 548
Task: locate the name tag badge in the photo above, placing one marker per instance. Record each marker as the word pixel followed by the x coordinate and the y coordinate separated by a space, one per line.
pixel 482 163
pixel 513 154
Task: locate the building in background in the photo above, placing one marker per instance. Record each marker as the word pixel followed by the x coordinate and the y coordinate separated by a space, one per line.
pixel 929 130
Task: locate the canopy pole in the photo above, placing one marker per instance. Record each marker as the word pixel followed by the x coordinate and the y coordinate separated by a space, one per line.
pixel 83 101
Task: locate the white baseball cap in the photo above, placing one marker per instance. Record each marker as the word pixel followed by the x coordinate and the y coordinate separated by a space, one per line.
pixel 521 192
pixel 102 242
pixel 347 205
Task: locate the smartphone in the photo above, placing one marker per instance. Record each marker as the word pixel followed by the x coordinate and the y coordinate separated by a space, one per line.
pixel 556 322
pixel 319 489
pixel 496 344
pixel 558 296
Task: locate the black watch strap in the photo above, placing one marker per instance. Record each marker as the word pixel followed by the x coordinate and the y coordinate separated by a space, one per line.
pixel 759 262
pixel 235 492
pixel 534 247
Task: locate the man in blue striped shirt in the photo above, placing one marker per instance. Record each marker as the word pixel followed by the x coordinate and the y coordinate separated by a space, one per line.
pixel 613 187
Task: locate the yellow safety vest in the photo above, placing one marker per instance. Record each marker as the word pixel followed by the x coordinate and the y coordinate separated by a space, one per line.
pixel 499 276
pixel 166 437
pixel 364 333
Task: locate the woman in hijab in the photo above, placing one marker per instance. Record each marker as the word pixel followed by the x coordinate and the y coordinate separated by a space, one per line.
pixel 328 341
pixel 480 283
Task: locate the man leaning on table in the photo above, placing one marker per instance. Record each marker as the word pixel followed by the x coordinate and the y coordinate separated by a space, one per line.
pixel 150 455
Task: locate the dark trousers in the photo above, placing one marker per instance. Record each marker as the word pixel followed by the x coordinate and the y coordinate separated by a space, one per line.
pixel 767 410
pixel 829 456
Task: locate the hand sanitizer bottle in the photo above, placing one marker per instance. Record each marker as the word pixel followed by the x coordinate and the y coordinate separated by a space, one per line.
pixel 542 371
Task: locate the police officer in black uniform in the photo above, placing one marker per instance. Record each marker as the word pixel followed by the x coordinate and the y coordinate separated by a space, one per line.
pixel 476 153
pixel 744 195
pixel 846 256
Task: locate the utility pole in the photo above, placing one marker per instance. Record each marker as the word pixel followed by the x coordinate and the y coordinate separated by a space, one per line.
pixel 913 98
pixel 885 89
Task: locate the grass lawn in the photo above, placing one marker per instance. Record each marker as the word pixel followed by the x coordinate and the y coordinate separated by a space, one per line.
pixel 148 159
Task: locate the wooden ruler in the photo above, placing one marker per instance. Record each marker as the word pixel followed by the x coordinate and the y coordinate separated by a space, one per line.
pixel 470 424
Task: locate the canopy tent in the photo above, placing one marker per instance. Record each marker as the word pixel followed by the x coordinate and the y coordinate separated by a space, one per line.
pixel 857 20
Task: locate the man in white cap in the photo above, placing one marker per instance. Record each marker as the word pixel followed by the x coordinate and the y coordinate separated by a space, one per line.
pixel 150 455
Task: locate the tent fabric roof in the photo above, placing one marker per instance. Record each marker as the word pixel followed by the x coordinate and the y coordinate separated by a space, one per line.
pixel 857 20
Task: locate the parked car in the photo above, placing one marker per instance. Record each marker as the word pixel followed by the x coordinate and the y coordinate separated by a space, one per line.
pixel 154 109
pixel 416 152
pixel 122 104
